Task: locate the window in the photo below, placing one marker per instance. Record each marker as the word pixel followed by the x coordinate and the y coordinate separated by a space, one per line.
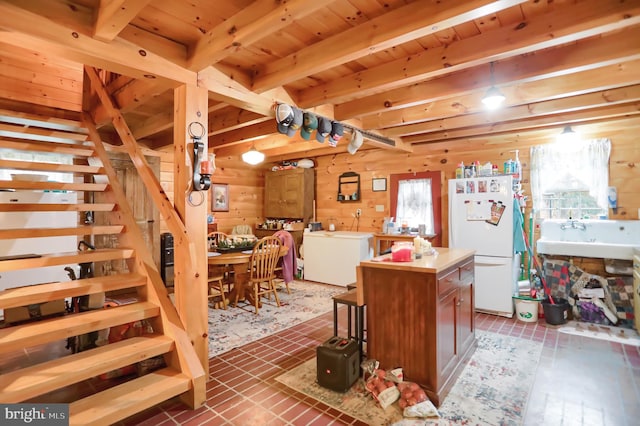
pixel 38 157
pixel 570 180
pixel 416 199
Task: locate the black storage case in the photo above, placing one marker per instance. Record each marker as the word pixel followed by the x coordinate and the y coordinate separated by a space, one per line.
pixel 338 363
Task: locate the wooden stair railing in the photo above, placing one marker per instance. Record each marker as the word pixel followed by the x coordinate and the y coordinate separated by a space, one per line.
pixel 182 376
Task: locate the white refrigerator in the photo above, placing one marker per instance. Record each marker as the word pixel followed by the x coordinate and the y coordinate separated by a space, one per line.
pixel 40 245
pixel 481 219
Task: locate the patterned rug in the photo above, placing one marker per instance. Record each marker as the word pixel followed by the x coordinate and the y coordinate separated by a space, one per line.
pixel 493 389
pixel 238 326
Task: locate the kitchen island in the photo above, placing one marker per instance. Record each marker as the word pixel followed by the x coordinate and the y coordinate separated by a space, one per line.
pixel 420 316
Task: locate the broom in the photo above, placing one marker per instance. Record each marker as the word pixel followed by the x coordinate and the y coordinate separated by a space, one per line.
pixel 538 267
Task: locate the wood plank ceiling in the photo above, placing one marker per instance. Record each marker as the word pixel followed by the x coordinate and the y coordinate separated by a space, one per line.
pixel 411 71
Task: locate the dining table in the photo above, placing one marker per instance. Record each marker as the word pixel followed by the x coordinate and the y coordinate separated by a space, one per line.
pixel 240 262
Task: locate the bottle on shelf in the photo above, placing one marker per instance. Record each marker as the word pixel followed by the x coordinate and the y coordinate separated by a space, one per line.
pixel 507 166
pixel 460 170
pixel 516 167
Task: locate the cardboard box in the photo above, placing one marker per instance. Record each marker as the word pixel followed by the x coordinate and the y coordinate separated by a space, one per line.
pixel 21 313
pixel 40 310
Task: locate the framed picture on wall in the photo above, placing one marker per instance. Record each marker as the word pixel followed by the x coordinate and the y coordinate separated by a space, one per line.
pixel 219 197
pixel 379 184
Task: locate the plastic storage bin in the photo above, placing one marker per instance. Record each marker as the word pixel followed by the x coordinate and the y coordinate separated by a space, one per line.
pixel 402 252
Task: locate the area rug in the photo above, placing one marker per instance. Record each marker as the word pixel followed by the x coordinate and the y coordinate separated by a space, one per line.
pixel 492 389
pixel 622 335
pixel 237 326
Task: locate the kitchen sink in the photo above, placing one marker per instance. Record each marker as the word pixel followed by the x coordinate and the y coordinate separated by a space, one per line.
pixel 607 239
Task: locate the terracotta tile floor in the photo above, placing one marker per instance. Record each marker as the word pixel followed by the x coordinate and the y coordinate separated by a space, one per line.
pixel 579 381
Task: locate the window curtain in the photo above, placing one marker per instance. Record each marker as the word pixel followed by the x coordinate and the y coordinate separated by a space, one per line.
pixel 571 167
pixel 415 204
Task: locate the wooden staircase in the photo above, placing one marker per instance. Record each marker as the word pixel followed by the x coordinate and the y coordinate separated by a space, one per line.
pixel 182 375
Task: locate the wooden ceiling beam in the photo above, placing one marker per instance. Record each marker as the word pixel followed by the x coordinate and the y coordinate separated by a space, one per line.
pixel 130 97
pixel 233 119
pixel 597 50
pixel 557 120
pixel 526 138
pixel 252 23
pixel 535 109
pixel 153 125
pixel 588 54
pixel 224 89
pixel 566 24
pixel 31 30
pixel 112 16
pixel 386 31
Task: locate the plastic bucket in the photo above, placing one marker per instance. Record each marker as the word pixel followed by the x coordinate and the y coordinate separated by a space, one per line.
pixel 555 314
pixel 526 309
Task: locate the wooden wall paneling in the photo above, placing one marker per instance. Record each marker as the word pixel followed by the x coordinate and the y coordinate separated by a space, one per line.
pixel 246 183
pixel 246 193
pixel 40 80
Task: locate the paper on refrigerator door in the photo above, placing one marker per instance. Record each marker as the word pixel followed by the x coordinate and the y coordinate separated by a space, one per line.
pixel 478 210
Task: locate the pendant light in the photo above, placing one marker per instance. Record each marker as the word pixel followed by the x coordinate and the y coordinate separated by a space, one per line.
pixel 568 135
pixel 253 156
pixel 493 98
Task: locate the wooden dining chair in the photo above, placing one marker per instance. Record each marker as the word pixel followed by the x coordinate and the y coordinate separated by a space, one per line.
pixel 213 239
pixel 264 259
pixel 215 284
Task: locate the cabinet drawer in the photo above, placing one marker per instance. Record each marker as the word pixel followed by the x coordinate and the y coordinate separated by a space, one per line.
pixel 449 281
pixel 466 271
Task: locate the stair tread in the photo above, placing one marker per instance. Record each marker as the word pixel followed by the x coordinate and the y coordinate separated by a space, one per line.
pixel 66 258
pixel 44 207
pixel 56 232
pixel 122 401
pixel 60 328
pixel 40 293
pixel 26 383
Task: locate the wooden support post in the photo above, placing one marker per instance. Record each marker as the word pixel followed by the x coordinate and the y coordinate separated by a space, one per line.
pixel 190 263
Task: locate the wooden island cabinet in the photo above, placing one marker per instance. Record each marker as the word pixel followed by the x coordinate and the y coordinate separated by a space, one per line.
pixel 420 316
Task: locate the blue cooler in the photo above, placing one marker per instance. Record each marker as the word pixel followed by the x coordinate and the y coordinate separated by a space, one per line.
pixel 338 364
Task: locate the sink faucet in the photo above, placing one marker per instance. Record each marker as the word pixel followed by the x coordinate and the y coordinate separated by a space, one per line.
pixel 579 225
pixel 573 224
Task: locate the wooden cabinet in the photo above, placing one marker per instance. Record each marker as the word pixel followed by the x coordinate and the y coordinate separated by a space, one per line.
pixel 455 318
pixel 289 194
pixel 420 317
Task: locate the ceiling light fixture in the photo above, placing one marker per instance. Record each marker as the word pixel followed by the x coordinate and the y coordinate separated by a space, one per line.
pixel 568 135
pixel 493 98
pixel 253 156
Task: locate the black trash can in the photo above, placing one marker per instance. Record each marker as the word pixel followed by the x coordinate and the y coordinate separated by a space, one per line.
pixel 555 313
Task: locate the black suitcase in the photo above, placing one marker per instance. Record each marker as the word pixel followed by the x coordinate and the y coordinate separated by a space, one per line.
pixel 338 363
